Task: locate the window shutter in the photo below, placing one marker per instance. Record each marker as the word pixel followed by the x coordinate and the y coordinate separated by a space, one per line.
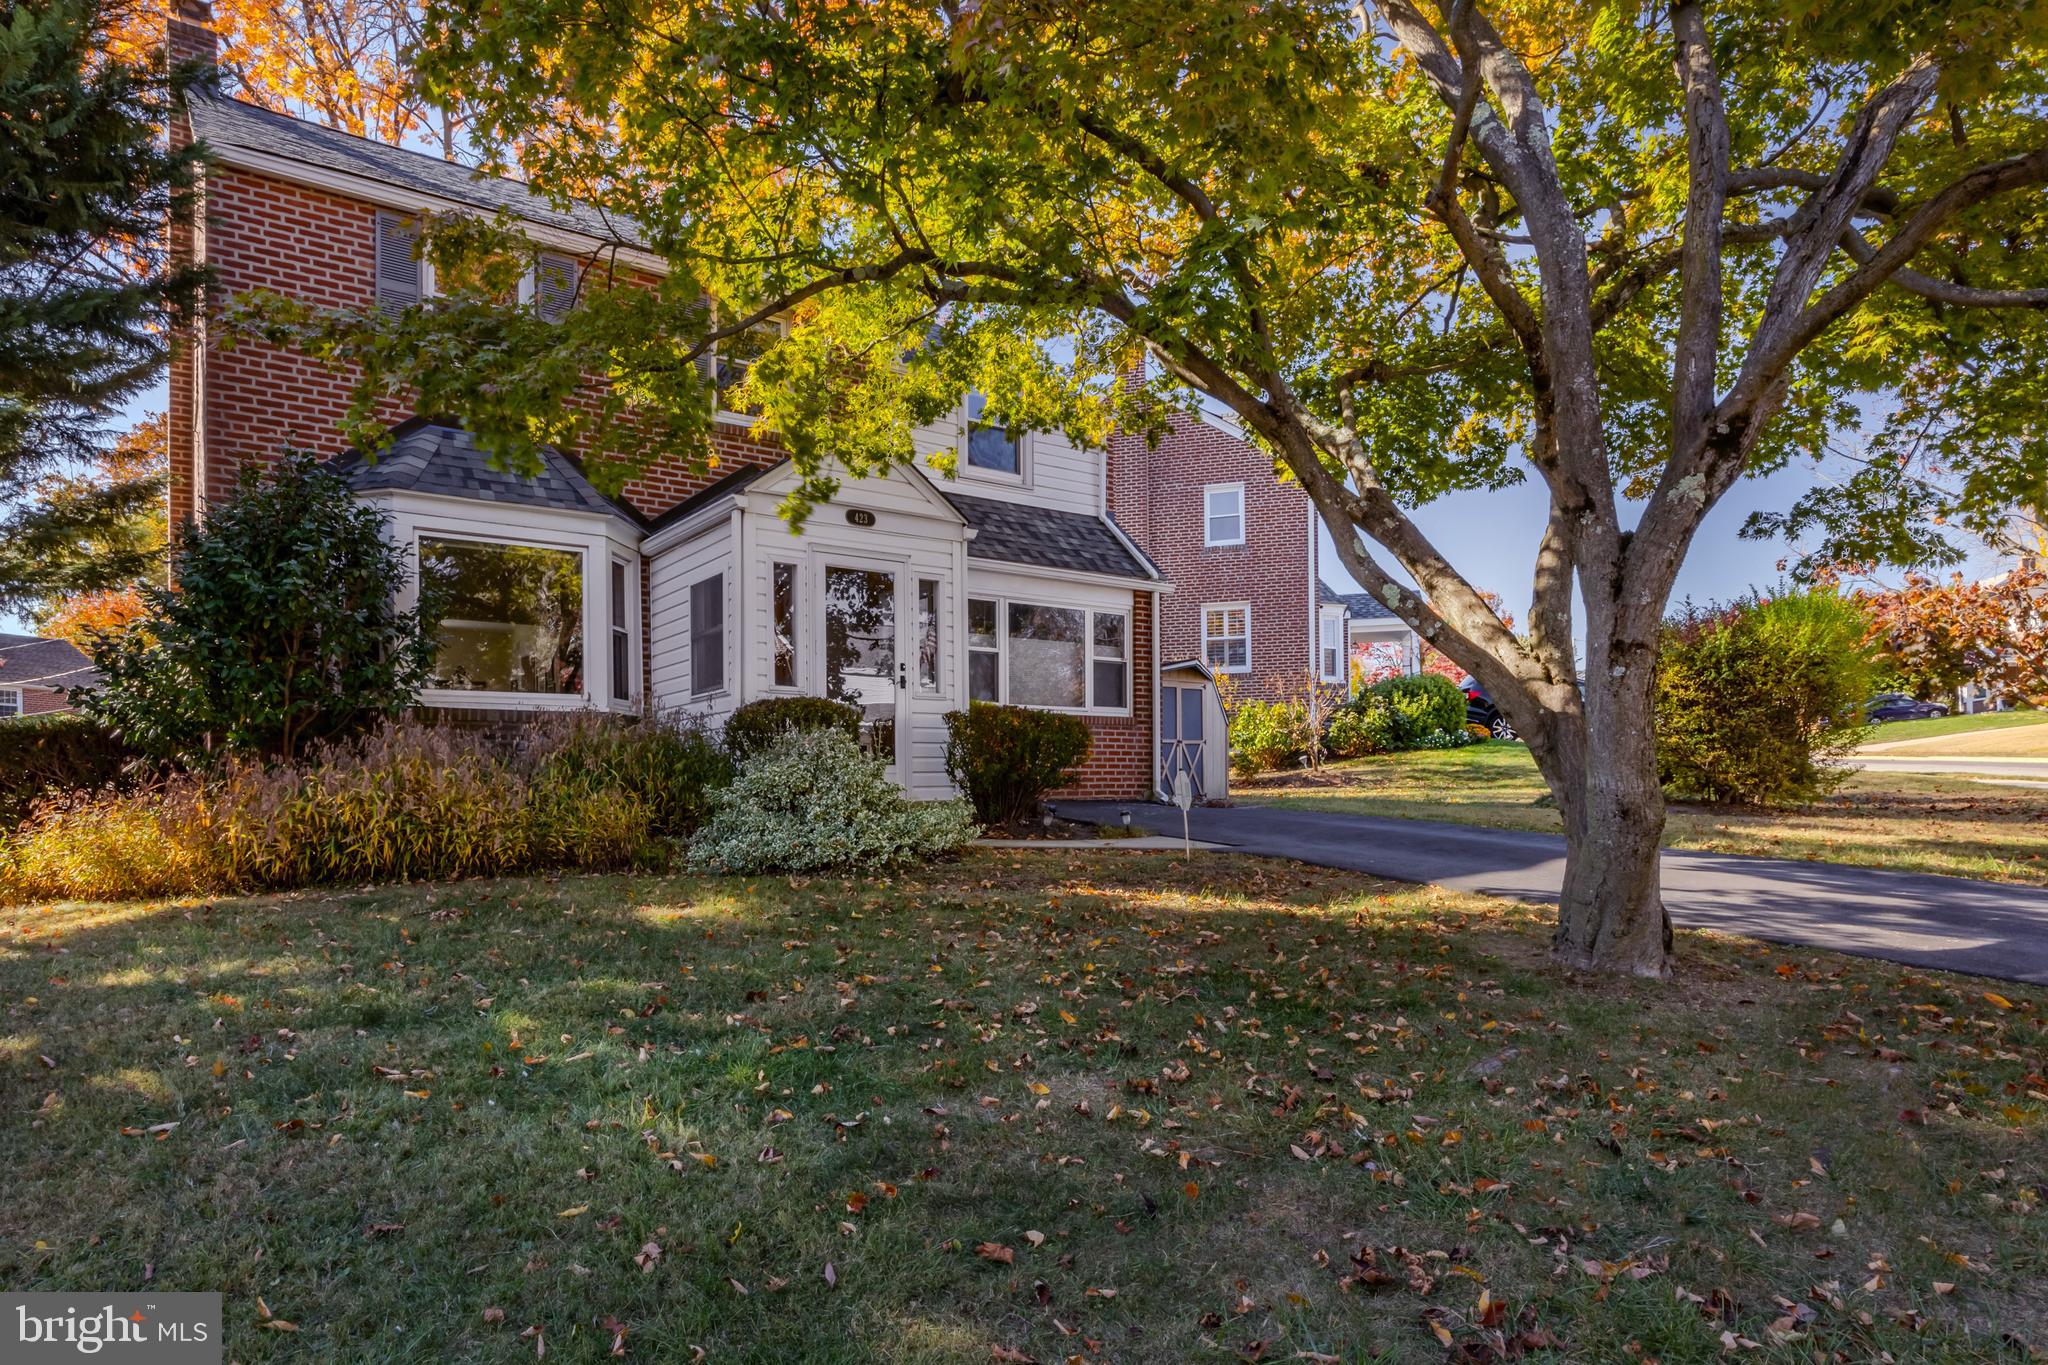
pixel 707 634
pixel 554 287
pixel 398 267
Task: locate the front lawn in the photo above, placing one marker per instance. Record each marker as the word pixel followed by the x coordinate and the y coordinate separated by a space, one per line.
pixel 1942 726
pixel 1911 822
pixel 1042 1105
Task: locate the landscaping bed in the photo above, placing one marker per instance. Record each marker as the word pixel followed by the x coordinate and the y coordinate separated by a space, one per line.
pixel 1039 1105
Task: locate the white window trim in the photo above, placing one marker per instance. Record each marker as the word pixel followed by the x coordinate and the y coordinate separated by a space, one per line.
pixel 1330 626
pixel 800 595
pixel 965 470
pixel 20 703
pixel 719 414
pixel 631 625
pixel 1244 607
pixel 1210 491
pixel 917 683
pixel 1088 615
pixel 726 662
pixel 593 594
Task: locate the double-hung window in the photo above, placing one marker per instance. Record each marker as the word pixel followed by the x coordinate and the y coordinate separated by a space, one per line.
pixel 10 702
pixel 707 635
pixel 1330 648
pixel 993 446
pixel 732 359
pixel 1223 514
pixel 1051 657
pixel 1227 636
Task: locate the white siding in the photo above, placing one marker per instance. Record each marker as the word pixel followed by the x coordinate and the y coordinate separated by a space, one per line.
pixel 916 535
pixel 670 574
pixel 1057 473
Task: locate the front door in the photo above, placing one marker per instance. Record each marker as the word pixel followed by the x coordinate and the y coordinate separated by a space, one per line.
pixel 864 663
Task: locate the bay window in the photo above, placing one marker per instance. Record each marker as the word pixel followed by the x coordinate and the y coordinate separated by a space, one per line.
pixel 1054 658
pixel 512 616
pixel 622 639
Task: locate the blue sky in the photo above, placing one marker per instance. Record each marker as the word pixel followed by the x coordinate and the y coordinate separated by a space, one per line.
pixel 1491 538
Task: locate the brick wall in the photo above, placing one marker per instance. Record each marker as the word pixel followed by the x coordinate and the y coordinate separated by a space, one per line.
pixel 1119 766
pixel 38 701
pixel 1156 496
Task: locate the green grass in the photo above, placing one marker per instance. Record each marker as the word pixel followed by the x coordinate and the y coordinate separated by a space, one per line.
pixel 1912 822
pixel 1954 725
pixel 1209 1112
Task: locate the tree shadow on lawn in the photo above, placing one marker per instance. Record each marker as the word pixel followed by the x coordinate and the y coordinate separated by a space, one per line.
pixel 1192 1110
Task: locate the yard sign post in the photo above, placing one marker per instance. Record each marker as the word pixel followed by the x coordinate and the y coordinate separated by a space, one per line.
pixel 1184 796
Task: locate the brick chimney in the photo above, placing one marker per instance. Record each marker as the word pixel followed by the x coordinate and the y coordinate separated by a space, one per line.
pixel 188 32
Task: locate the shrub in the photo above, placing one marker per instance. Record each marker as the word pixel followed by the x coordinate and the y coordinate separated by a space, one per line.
pixel 1365 725
pixel 283 630
pixel 56 754
pixel 671 766
pixel 1006 758
pixel 1265 735
pixel 405 802
pixel 1423 704
pixel 1754 700
pixel 757 725
pixel 813 802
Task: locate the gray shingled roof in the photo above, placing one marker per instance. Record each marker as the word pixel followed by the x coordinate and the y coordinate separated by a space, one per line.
pixel 426 456
pixel 1360 606
pixel 1016 533
pixel 224 123
pixel 30 661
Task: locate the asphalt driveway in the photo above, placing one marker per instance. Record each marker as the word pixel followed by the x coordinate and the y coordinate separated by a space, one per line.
pixel 1949 923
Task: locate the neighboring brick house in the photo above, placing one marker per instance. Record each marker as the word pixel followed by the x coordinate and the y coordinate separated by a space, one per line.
pixel 907 595
pixel 37 675
pixel 1240 546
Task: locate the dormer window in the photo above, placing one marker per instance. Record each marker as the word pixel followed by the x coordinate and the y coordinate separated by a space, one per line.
pixel 992 446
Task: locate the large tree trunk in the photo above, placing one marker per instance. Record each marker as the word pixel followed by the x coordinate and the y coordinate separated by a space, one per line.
pixel 1611 915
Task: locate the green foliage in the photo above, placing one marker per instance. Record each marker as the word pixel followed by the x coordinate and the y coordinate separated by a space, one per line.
pixel 1365 725
pixel 758 724
pixel 283 630
pixel 671 768
pixel 405 802
pixel 55 755
pixel 1006 758
pixel 88 293
pixel 1423 705
pixel 1265 735
pixel 813 802
pixel 1754 701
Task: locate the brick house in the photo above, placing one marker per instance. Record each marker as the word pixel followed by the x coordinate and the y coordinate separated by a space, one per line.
pixel 37 675
pixel 1240 546
pixel 907 595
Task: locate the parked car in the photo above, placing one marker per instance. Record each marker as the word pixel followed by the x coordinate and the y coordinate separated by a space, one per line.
pixel 1480 710
pixel 1898 706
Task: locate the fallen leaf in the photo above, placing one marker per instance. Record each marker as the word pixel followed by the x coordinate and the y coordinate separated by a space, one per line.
pixel 997 1252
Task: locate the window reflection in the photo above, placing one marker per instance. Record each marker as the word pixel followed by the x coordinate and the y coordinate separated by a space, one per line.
pixel 512 619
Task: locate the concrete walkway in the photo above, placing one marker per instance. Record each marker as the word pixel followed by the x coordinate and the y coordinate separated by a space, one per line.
pixel 1948 923
pixel 1899 762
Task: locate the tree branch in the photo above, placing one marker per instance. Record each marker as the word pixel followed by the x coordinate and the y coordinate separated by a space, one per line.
pixel 1699 304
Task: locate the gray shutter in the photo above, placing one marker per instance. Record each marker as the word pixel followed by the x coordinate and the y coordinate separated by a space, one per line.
pixel 398 264
pixel 707 634
pixel 554 287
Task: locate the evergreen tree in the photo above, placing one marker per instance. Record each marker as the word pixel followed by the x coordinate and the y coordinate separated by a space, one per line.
pixel 89 294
